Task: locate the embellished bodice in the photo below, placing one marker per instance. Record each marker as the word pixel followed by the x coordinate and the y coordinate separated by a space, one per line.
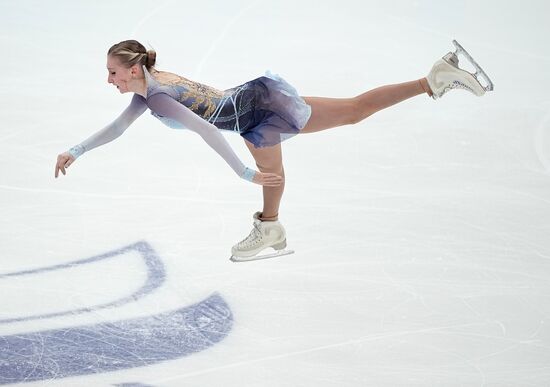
pixel 201 99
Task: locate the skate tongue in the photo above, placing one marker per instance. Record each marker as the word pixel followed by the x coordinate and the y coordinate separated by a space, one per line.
pixel 451 58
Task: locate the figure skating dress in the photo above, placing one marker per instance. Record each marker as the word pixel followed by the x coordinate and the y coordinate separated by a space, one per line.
pixel 265 111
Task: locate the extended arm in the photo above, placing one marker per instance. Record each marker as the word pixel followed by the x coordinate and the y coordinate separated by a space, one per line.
pixel 114 129
pixel 166 106
pixel 109 133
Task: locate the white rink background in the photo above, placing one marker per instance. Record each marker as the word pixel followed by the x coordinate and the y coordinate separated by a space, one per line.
pixel 421 234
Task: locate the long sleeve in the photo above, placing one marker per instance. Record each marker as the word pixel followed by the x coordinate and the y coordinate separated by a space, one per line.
pixel 166 106
pixel 114 129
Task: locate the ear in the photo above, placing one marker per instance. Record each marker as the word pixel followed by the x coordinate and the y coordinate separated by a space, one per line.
pixel 135 70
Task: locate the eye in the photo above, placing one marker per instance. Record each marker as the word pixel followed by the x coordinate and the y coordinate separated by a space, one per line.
pixel 113 73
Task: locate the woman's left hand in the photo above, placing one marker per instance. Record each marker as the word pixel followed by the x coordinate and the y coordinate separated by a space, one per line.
pixel 63 162
pixel 267 179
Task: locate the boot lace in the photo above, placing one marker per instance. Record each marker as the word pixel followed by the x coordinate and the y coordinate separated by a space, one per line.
pixel 253 238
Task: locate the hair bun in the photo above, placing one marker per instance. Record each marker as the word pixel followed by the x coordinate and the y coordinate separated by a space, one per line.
pixel 131 52
pixel 151 58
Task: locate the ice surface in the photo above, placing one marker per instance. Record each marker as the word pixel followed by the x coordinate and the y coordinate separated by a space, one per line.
pixel 421 234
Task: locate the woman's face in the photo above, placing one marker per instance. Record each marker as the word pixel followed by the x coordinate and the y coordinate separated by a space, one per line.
pixel 118 74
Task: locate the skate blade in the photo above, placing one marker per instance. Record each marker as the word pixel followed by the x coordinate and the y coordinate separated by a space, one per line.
pixel 479 71
pixel 278 253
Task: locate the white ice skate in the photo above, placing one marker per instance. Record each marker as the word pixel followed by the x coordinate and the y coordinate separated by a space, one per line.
pixel 446 75
pixel 264 234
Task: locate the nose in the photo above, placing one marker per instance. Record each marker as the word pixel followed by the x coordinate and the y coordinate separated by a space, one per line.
pixel 109 79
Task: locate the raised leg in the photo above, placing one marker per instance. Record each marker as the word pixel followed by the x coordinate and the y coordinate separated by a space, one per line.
pixel 270 159
pixel 328 113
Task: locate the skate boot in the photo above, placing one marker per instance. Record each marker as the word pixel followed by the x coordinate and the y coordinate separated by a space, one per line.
pixel 264 234
pixel 446 75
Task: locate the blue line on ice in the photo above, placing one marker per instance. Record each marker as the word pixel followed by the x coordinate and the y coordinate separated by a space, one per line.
pixel 155 278
pixel 113 346
pixel 118 345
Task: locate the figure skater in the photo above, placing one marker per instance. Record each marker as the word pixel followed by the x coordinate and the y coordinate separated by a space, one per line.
pixel 264 111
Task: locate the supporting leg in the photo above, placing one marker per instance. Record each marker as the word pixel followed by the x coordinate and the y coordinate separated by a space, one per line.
pixel 328 113
pixel 270 159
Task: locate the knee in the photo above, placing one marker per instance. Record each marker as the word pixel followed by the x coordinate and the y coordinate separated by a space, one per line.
pixel 358 111
pixel 273 167
pixel 276 169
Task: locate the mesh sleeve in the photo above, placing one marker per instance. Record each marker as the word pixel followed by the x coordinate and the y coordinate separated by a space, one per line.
pixel 114 129
pixel 166 106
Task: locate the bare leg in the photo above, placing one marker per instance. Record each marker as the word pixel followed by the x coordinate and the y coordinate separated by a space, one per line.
pixel 270 159
pixel 328 113
pixel 332 112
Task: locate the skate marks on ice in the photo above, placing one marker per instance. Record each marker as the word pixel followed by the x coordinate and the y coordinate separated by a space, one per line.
pixel 111 346
pixel 155 278
pixel 542 144
pixel 132 385
pixel 274 254
pixel 114 346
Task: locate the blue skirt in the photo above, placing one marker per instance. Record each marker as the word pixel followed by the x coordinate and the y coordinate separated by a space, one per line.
pixel 265 111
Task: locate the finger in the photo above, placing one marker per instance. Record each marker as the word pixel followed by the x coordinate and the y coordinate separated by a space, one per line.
pixel 273 181
pixel 272 184
pixel 70 161
pixel 56 171
pixel 275 177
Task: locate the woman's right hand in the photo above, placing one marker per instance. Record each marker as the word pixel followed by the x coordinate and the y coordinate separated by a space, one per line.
pixel 267 179
pixel 63 162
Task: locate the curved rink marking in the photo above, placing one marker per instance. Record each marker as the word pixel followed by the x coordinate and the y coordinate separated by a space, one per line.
pixel 156 276
pixel 111 346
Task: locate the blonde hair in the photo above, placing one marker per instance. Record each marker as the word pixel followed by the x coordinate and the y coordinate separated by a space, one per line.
pixel 131 52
